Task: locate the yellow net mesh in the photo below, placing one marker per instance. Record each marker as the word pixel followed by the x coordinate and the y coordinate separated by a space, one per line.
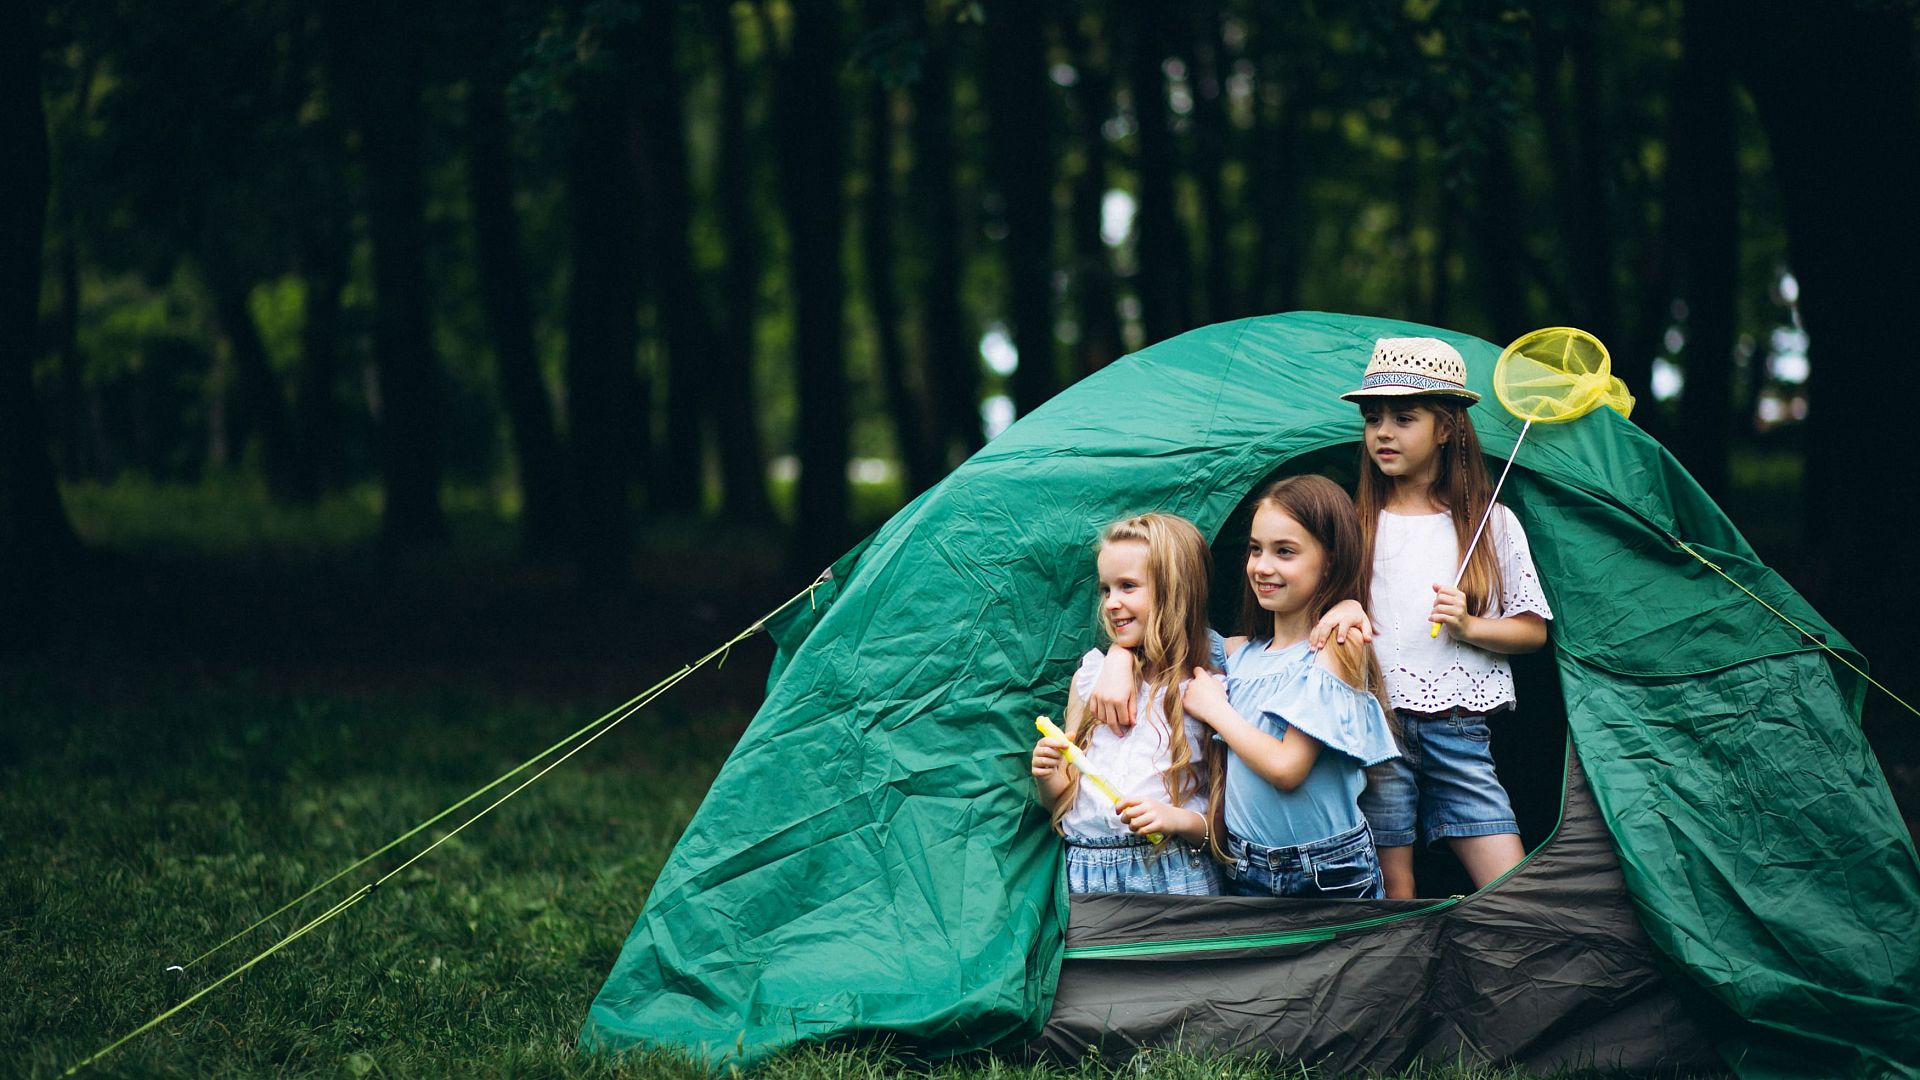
pixel 1557 374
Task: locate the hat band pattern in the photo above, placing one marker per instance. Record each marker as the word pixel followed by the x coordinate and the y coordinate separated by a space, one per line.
pixel 1407 378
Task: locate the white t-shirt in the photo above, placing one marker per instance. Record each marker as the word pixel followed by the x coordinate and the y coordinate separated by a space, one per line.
pixel 1133 764
pixel 1427 674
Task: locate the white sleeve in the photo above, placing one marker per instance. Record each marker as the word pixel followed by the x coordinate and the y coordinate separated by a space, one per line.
pixel 1520 582
pixel 1089 672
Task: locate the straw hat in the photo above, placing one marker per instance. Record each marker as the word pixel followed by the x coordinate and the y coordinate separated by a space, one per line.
pixel 1408 366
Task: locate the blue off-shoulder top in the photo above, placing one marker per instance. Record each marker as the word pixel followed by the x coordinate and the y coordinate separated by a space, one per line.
pixel 1284 688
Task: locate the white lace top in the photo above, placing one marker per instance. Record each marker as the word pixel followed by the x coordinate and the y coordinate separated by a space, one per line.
pixel 1425 674
pixel 1132 764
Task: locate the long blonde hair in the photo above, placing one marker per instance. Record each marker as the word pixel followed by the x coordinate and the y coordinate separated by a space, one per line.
pixel 1460 484
pixel 1173 642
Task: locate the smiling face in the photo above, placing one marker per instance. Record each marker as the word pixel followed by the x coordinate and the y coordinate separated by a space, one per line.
pixel 1126 594
pixel 1404 440
pixel 1284 565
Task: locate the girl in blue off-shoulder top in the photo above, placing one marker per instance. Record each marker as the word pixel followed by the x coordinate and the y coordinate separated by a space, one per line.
pixel 1300 726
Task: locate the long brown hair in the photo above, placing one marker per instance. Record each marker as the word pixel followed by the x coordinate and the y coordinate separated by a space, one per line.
pixel 1327 514
pixel 1173 641
pixel 1460 484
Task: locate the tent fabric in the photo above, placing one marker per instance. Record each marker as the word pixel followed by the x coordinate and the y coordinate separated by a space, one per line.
pixel 870 860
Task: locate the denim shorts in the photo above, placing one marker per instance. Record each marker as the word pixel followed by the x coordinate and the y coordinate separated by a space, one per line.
pixel 1339 867
pixel 1444 784
pixel 1130 864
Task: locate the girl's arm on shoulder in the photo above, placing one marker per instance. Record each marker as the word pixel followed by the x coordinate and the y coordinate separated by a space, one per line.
pixel 1234 644
pixel 1283 762
pixel 1347 660
pixel 1343 618
pixel 1111 702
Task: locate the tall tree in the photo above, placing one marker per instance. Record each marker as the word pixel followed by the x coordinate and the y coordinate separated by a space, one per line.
pixel 1161 279
pixel 891 60
pixel 1280 91
pixel 604 399
pixel 33 524
pixel 1096 307
pixel 505 302
pixel 1568 78
pixel 382 49
pixel 1835 88
pixel 812 134
pixel 685 317
pixel 952 359
pixel 1021 110
pixel 1707 210
pixel 743 462
pixel 1212 132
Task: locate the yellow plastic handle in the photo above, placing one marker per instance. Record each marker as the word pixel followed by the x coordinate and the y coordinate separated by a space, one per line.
pixel 1435 632
pixel 1078 760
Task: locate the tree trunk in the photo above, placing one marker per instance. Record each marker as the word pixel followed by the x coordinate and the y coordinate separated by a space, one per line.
pixel 290 477
pixel 324 259
pixel 1497 238
pixel 1161 279
pixel 811 134
pixel 743 460
pixel 1211 132
pixel 1020 151
pixel 920 448
pixel 1706 185
pixel 1275 278
pixel 1577 151
pixel 34 532
pixel 1095 304
pixel 503 287
pixel 603 331
pixel 385 83
pixel 952 356
pixel 1835 90
pixel 685 319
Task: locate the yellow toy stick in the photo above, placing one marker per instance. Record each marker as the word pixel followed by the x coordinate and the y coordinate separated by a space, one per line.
pixel 1079 761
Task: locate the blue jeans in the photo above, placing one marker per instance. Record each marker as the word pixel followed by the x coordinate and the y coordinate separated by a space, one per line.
pixel 1444 786
pixel 1340 867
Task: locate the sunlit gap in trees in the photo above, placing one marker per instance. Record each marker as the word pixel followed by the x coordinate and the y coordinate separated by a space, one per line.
pixel 1779 363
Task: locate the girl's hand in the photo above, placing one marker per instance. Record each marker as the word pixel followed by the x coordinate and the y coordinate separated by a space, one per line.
pixel 1112 700
pixel 1144 816
pixel 1205 696
pixel 1049 757
pixel 1450 611
pixel 1343 618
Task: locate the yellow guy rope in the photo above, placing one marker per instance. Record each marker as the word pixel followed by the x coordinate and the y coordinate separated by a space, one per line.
pixel 1783 617
pixel 605 724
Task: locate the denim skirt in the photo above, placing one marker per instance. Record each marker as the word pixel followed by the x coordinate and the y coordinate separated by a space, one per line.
pixel 1130 864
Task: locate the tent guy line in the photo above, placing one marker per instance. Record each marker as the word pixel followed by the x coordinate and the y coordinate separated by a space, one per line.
pixel 605 724
pixel 1783 617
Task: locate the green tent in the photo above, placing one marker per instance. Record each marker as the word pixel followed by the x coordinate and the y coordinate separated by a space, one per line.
pixel 1728 873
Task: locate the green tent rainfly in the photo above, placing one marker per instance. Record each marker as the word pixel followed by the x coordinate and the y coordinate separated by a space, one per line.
pixel 871 862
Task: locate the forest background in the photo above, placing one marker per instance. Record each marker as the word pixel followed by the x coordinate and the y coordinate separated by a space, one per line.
pixel 519 350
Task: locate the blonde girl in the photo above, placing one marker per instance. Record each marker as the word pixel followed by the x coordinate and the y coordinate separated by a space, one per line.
pixel 1154 571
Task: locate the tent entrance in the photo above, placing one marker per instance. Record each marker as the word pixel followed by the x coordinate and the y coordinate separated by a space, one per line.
pixel 1547 966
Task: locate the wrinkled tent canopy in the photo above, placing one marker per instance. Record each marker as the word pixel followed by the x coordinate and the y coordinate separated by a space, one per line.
pixel 870 860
